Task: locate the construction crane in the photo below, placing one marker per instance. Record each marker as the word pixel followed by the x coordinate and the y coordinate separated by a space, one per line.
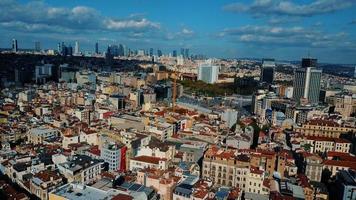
pixel 175 74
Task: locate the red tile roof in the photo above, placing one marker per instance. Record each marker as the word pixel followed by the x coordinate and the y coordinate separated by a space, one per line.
pixel 340 163
pixel 148 159
pixel 122 197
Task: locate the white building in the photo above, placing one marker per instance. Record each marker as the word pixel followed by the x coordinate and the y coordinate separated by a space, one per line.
pixel 142 162
pixel 42 72
pixel 113 153
pixel 76 48
pixel 81 168
pixel 40 134
pixel 208 73
pixel 230 117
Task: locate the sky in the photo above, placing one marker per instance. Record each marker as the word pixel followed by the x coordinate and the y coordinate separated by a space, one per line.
pixel 284 30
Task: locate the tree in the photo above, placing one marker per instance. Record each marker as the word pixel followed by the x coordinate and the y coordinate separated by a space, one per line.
pixel 325 176
pixel 307 147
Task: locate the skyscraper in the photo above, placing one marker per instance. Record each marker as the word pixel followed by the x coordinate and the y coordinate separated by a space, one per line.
pixel 182 52
pixel 76 48
pixel 186 53
pixel 159 53
pixel 151 52
pixel 121 50
pixel 14 45
pixel 307 82
pixel 267 70
pixel 97 48
pixel 59 48
pixel 37 46
pixel 309 62
pixel 208 73
pixel 174 54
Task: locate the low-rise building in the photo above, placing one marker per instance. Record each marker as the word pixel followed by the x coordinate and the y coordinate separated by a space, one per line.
pixel 81 168
pixel 43 182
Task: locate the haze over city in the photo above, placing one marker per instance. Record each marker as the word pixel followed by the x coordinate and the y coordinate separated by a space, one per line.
pixel 285 30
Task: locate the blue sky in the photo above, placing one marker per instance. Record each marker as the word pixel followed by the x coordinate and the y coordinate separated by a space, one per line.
pixel 326 29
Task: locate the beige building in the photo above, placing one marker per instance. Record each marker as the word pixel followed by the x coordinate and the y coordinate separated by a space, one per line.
pixel 40 134
pixel 226 168
pixel 345 104
pixel 325 144
pixel 44 182
pixel 162 181
pixel 323 128
pixel 313 167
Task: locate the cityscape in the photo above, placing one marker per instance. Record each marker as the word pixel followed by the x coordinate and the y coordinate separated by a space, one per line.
pixel 178 100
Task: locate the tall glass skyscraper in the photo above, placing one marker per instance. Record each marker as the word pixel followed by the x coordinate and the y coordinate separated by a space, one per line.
pixel 267 70
pixel 307 82
pixel 14 45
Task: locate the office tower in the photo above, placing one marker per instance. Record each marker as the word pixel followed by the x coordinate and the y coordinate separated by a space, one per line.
pixel 267 70
pixel 126 50
pixel 70 50
pixel 97 48
pixel 345 184
pixel 174 54
pixel 182 52
pixel 307 82
pixel 355 72
pixel 14 45
pixel 37 46
pixel 63 49
pixel 114 50
pixel 180 60
pixel 121 50
pixel 59 48
pixel 151 52
pixel 309 62
pixel 208 73
pixel 186 53
pixel 108 56
pixel 159 53
pixel 76 48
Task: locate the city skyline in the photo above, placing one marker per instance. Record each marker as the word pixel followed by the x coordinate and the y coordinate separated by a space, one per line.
pixel 224 29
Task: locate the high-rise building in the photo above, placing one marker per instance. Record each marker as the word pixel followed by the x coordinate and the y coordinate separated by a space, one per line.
pixel 14 45
pixel 180 60
pixel 307 82
pixel 208 73
pixel 114 50
pixel 37 46
pixel 59 48
pixel 174 54
pixel 159 53
pixel 309 62
pixel 267 70
pixel 121 50
pixel 151 52
pixel 186 53
pixel 76 48
pixel 345 184
pixel 182 52
pixel 115 155
pixel 97 48
pixel 355 72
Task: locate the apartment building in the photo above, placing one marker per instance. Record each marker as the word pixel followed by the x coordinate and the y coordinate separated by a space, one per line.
pixel 323 128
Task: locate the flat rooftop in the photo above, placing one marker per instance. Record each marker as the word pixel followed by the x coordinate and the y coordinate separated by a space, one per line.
pixel 82 192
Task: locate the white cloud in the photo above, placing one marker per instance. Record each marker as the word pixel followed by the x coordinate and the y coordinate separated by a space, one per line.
pixel 289 8
pixel 286 36
pixel 187 31
pixel 37 15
